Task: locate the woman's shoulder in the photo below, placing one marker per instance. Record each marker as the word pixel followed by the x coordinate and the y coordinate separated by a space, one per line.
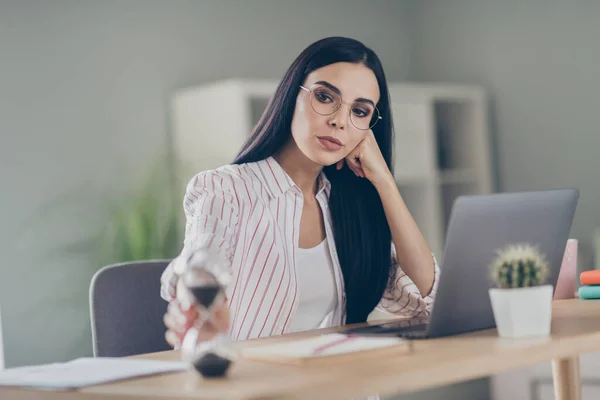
pixel 227 177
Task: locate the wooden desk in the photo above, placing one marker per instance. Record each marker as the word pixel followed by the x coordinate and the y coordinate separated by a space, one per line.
pixel 433 362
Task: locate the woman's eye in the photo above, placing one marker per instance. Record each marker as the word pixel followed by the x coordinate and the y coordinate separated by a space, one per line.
pixel 359 112
pixel 323 97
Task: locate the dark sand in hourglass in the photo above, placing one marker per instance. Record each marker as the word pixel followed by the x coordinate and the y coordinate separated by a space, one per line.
pixel 205 295
pixel 210 364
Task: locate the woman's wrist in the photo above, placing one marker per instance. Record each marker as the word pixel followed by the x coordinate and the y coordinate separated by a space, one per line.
pixel 385 184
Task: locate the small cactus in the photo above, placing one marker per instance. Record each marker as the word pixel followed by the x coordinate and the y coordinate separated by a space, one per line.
pixel 519 265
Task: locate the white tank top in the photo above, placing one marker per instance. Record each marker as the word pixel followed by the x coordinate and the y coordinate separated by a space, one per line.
pixel 316 288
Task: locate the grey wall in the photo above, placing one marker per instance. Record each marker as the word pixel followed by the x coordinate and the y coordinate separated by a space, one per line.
pixel 539 60
pixel 84 87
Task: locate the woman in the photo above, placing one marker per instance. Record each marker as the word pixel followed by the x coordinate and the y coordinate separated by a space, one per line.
pixel 308 217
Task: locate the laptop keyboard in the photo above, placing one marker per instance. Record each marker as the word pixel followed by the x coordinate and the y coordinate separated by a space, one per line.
pixel 404 328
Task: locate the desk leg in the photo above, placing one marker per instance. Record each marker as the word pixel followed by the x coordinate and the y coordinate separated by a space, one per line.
pixel 567 382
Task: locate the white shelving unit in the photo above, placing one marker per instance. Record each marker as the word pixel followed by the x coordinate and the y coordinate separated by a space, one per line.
pixel 441 146
pixel 441 137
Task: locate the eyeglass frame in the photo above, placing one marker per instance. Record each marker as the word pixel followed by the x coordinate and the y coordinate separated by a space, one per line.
pixel 349 110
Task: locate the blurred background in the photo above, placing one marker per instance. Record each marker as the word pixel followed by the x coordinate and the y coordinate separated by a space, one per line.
pixel 106 107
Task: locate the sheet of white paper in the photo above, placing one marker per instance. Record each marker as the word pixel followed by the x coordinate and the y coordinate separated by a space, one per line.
pixel 83 372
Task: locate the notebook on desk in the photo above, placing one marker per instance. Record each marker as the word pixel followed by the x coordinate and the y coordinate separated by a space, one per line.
pixel 333 348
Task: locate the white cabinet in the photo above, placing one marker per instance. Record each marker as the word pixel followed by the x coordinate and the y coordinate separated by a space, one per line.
pixel 441 140
pixel 211 122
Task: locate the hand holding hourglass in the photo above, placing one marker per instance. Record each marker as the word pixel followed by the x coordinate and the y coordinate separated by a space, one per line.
pixel 198 319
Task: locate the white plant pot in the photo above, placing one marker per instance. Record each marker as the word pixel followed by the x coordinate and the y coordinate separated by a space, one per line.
pixel 522 312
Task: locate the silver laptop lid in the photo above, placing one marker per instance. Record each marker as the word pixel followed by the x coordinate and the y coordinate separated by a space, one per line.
pixel 480 225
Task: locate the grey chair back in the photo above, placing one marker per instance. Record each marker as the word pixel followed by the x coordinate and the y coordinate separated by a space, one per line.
pixel 126 309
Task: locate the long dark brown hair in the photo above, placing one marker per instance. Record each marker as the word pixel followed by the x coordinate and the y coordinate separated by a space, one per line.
pixel 362 234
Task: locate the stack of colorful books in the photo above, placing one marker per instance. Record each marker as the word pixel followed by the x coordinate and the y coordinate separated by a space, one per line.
pixel 590 281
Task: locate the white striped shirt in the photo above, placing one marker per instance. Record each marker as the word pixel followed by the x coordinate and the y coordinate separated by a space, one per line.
pixel 250 214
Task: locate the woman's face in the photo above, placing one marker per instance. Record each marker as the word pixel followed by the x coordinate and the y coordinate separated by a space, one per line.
pixel 323 132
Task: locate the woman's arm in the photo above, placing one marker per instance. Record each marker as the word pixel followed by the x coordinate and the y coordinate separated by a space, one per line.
pixel 412 251
pixel 212 221
pixel 212 217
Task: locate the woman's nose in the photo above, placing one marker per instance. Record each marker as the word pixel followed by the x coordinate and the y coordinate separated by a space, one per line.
pixel 339 119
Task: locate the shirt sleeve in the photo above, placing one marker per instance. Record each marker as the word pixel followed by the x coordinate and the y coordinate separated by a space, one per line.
pixel 402 297
pixel 212 215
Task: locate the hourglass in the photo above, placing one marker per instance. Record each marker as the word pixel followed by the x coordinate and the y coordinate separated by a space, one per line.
pixel 204 280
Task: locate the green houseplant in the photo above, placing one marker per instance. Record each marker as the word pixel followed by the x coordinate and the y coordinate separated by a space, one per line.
pixel 145 222
pixel 146 225
pixel 124 220
pixel 521 302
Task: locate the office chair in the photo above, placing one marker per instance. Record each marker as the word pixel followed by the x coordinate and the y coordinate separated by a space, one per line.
pixel 126 309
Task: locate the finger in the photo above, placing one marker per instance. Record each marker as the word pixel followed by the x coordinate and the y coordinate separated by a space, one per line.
pixel 182 317
pixel 351 162
pixel 191 316
pixel 181 321
pixel 184 301
pixel 221 319
pixel 354 164
pixel 356 172
pixel 359 167
pixel 340 164
pixel 177 315
pixel 190 313
pixel 173 325
pixel 172 339
pixel 173 307
pixel 168 321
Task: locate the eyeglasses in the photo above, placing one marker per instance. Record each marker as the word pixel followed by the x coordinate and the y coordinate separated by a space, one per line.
pixel 325 101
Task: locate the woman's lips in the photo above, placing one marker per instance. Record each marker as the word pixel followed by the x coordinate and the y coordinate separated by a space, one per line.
pixel 330 143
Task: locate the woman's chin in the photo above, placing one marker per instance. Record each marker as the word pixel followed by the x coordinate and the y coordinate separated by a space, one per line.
pixel 325 158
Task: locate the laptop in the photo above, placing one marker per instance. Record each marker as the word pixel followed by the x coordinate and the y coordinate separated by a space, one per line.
pixel 479 225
